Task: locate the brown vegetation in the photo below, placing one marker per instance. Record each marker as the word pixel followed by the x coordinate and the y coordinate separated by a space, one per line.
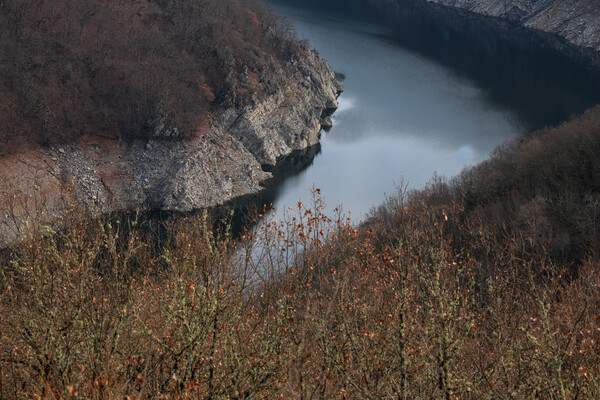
pixel 545 187
pixel 308 308
pixel 456 291
pixel 125 69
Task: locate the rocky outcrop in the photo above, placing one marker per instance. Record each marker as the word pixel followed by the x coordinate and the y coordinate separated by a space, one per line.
pixel 226 161
pixel 289 120
pixel 577 22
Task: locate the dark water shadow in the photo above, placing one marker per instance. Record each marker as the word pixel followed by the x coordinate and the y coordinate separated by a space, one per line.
pixel 518 68
pixel 536 75
pixel 246 208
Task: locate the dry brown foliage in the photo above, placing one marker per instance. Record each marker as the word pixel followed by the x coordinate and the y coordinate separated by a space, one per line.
pixel 308 307
pixel 125 68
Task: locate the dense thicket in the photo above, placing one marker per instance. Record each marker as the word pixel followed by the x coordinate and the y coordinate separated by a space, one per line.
pixel 462 290
pixel 126 68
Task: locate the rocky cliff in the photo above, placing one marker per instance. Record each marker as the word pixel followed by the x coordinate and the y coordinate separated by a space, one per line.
pixel 218 165
pixel 575 21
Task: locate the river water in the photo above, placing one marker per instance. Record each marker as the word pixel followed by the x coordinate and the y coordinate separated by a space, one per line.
pixel 419 100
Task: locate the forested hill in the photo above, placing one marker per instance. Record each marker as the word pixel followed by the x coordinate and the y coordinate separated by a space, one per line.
pixel 168 105
pixel 75 67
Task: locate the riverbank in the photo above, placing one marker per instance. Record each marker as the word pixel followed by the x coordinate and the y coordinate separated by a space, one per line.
pixel 425 92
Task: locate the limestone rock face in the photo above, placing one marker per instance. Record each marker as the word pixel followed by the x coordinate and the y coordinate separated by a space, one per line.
pixel 291 118
pixel 225 162
pixel 219 165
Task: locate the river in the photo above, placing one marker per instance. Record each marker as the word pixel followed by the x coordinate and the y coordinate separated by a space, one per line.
pixel 419 100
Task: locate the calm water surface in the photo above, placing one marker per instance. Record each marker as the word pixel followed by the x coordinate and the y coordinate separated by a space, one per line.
pixel 404 115
pixel 401 116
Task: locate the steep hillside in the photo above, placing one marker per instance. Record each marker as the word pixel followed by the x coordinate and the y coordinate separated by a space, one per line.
pixel 168 105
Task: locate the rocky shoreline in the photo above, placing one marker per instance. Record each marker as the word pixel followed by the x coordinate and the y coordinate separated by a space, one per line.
pixel 572 27
pixel 230 160
pixel 576 21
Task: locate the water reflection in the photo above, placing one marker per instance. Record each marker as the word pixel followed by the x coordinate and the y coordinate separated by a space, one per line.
pixel 401 115
pixel 425 92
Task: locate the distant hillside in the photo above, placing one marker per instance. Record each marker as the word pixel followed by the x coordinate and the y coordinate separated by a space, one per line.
pixel 576 21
